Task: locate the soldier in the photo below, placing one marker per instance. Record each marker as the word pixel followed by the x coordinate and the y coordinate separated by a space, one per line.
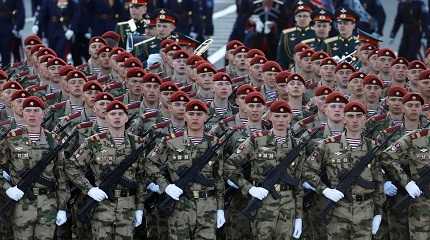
pixel 281 85
pixel 328 73
pixel 291 36
pixel 322 26
pixel 58 21
pixel 373 62
pixel 220 107
pixel 296 89
pixel 356 87
pixel 399 68
pixel 101 153
pixel 363 54
pixel 12 17
pixel 305 65
pixel 340 153
pixel 179 71
pixel 265 150
pixel 104 61
pixel 342 73
pixel 239 55
pixel 204 82
pixel 92 66
pixel 16 100
pixel 270 69
pixel 133 84
pixel 37 212
pixel 134 26
pixel 196 217
pixel 112 38
pixel 255 74
pixel 229 60
pixel 414 69
pixel 345 43
pixel 385 58
pixel 8 89
pixel 53 67
pixel 423 84
pixel 316 60
pixel 178 100
pixel 372 92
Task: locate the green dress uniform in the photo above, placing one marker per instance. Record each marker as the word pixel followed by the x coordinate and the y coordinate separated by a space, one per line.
pixel 289 38
pixel 317 44
pixel 338 46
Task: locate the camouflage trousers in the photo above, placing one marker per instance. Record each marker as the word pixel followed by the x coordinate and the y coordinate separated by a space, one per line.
pixel 6 232
pixel 312 227
pixel 419 219
pixel 35 219
pixel 237 226
pixel 79 230
pixel 112 219
pixel 351 221
pixel 193 219
pixel 157 226
pixel 274 220
pixel 394 225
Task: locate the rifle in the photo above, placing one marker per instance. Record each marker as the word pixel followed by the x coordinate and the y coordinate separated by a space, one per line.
pixel 350 178
pixel 192 174
pixel 277 175
pixel 114 177
pixel 34 174
pixel 130 120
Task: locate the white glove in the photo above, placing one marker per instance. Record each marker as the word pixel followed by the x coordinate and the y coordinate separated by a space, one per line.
pixel 138 218
pixel 268 27
pixel 232 184
pixel 14 193
pixel 376 222
pixel 413 190
pixel 307 185
pixel 173 191
pixel 61 218
pixel 153 59
pixel 220 219
pixel 69 34
pixel 153 187
pixel 390 189
pixel 258 192
pixel 259 26
pixel 97 194
pixel 6 176
pixel 87 35
pixel 333 194
pixel 298 223
pixel 35 29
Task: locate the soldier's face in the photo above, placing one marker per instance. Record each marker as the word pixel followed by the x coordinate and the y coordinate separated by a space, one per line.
pixel 399 72
pixel 426 60
pixel 303 19
pixel 53 72
pixel 395 105
pixel 104 60
pixel 165 97
pixel 90 97
pixel 116 118
pixel 239 60
pixel 354 121
pixel 322 29
pixel 424 87
pixel 151 92
pixel 319 101
pixel 282 89
pixel 6 94
pixel 334 112
pixel 363 56
pixel 205 80
pixel 76 86
pixel 295 88
pixel 280 121
pixel 222 89
pixel 195 120
pixel 164 29
pixel 374 63
pixel 177 109
pixel 151 31
pixel 137 11
pixel 356 87
pixel 327 73
pixel 17 106
pixel 306 64
pixel 32 116
pixel 412 110
pixel 255 111
pixel 342 77
pixel 256 73
pixel 100 108
pixel 240 101
pixel 413 75
pixel 373 93
pixel 63 84
pixel 345 28
pixel 93 48
pixel 269 78
pixel 316 67
pixel 384 64
pixel 134 85
pixel 179 65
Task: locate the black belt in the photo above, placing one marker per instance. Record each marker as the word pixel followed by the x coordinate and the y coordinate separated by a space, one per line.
pixel 40 191
pixel 202 194
pixel 362 197
pixel 119 193
pixel 278 187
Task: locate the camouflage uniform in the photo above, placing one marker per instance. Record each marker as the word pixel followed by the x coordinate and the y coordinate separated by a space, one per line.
pixel 352 218
pixel 112 219
pixel 402 161
pixel 34 216
pixel 195 215
pixel 274 220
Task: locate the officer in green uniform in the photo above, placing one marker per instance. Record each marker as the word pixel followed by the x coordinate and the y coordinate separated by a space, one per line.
pixel 322 27
pixel 345 43
pixel 136 25
pixel 291 36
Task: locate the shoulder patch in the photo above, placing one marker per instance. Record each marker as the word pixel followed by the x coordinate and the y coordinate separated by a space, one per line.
pixel 307 120
pixel 332 39
pixel 391 129
pixel 333 139
pixel 112 86
pixel 228 119
pixel 59 105
pixel 419 133
pixel 149 115
pixel 288 30
pixel 133 105
pixel 187 88
pixel 15 132
pixel 258 134
pixel 84 125
pixel 49 97
pixel 378 117
pixel 238 79
pixel 174 135
pixel 98 136
pixel 72 116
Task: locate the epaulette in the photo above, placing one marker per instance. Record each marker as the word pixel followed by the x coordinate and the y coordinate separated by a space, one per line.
pixel 33 89
pixel 48 97
pixel 15 132
pixel 30 77
pixel 72 116
pixel 238 79
pixel 84 125
pixel 418 134
pixel 308 40
pixel 228 119
pixel 166 79
pixel 112 86
pixel 133 105
pixel 391 129
pixel 378 117
pixel 288 30
pixel 333 139
pixel 98 136
pixel 59 105
pixel 5 122
pixel 187 88
pixel 144 41
pixel 332 39
pixel 174 135
pixel 307 120
pixel 120 98
pixel 260 133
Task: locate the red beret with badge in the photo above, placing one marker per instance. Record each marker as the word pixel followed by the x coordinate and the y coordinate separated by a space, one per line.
pixel 179 96
pixel 280 106
pixel 257 60
pixel 282 77
pixel 19 94
pixel 116 105
pixel 196 105
pixel 103 96
pixel 373 80
pixel 222 77
pixel 396 91
pixel 359 75
pixel 413 97
pixel 417 64
pixel 151 78
pixel 75 74
pixel 97 39
pixel 320 55
pixel 233 44
pixel 336 97
pixel 205 68
pixel 92 85
pixel 33 101
pixel 168 86
pixel 322 90
pixel 271 66
pixel 255 97
pixel 245 89
pixel 12 85
pixel 355 106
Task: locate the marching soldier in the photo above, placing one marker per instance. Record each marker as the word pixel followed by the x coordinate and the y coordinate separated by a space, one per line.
pixel 414 70
pixel 116 215
pixel 38 211
pixel 136 25
pixel 220 107
pixel 196 216
pixel 292 36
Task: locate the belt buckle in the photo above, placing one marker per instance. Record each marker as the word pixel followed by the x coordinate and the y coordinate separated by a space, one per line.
pixel 117 193
pixel 277 187
pixel 196 194
pixel 35 191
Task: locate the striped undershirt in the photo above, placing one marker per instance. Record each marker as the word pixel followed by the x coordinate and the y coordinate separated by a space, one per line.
pixel 271 95
pixel 93 119
pixel 20 125
pixel 396 122
pixel 77 108
pixel 280 140
pixel 165 119
pixel 371 112
pixel 118 140
pixel 177 129
pixel 196 140
pixel 2 106
pixel 101 129
pixel 244 121
pixel 354 143
pixel 254 130
pixel 408 131
pixel 220 110
pixel 297 112
pixel 34 137
pixel 335 132
pixel 207 100
pixel 386 83
pixel 150 110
